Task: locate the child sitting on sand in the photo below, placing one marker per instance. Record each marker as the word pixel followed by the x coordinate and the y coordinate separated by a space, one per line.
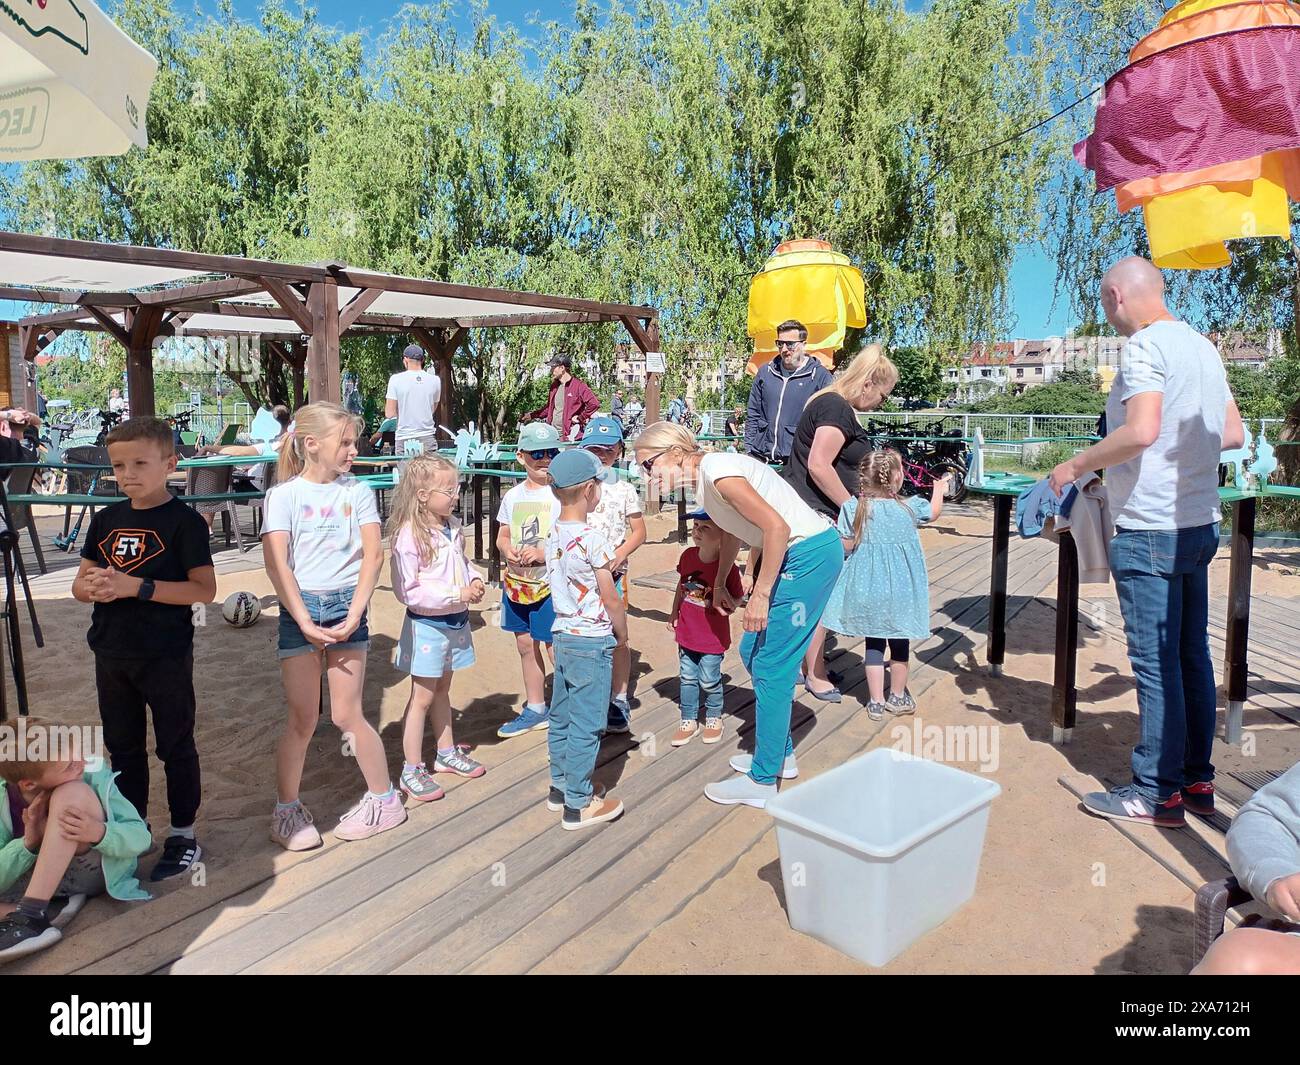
pixel 66 832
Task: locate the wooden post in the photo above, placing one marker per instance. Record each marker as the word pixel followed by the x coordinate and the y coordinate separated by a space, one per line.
pixel 1234 656
pixel 441 346
pixel 652 380
pixel 143 325
pixel 324 377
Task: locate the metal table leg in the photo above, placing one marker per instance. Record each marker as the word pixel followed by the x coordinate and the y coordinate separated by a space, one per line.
pixel 998 584
pixel 1064 691
pixel 1234 658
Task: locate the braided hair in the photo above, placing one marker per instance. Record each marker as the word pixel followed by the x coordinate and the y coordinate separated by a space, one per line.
pixel 880 475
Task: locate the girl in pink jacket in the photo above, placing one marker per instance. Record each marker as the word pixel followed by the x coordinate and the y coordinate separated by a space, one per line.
pixel 433 579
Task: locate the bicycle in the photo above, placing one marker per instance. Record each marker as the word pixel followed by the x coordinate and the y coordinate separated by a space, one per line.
pixel 926 459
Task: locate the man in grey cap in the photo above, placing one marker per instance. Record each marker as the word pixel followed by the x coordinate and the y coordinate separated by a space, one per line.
pixel 412 399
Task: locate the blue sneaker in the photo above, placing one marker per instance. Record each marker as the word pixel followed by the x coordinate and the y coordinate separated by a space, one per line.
pixel 620 717
pixel 1126 803
pixel 527 721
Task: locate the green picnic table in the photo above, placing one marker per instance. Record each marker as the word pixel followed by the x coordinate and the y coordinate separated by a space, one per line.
pixel 1004 488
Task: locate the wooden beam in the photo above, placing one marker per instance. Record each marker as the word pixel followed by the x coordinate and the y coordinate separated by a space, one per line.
pixel 640 336
pixel 119 332
pixel 324 377
pixel 207 290
pixel 357 306
pixel 164 258
pixel 290 303
pixel 52 295
pixel 424 287
pixel 60 318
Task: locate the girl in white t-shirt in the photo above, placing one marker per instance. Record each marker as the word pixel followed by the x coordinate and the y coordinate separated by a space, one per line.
pixel 324 551
pixel 620 518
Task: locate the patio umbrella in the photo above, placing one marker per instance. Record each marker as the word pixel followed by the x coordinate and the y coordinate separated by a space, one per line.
pixel 71 83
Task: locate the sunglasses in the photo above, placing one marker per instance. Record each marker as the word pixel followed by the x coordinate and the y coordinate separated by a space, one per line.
pixel 648 464
pixel 539 456
pixel 788 343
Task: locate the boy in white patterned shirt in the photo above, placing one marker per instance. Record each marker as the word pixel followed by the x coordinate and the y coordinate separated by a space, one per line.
pixel 589 623
pixel 618 515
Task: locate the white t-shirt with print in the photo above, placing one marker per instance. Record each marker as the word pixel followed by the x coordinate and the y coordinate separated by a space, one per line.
pixel 618 502
pixel 324 525
pixel 417 393
pixel 773 489
pixel 529 513
pixel 574 551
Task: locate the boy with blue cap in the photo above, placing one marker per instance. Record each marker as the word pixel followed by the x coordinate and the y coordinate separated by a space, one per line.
pixel 526 515
pixel 589 623
pixel 618 515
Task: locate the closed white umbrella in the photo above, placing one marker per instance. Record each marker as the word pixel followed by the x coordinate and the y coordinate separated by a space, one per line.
pixel 71 83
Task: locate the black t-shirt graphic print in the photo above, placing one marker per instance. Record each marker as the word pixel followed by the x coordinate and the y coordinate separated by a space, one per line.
pixel 162 543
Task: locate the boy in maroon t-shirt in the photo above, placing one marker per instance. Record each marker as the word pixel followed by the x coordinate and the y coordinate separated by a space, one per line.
pixel 703 634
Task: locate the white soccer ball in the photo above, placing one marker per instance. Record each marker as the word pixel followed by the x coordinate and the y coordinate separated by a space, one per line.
pixel 241 609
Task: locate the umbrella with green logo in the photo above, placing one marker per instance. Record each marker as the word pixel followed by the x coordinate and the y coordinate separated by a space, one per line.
pixel 71 83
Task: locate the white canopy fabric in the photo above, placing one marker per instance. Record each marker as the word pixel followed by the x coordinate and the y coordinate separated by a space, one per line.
pixel 82 275
pixel 416 305
pixel 71 83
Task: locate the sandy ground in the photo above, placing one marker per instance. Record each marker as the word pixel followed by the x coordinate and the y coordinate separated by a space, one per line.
pixel 1058 891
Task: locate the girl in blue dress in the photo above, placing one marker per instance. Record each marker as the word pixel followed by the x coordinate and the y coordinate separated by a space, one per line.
pixel 883 593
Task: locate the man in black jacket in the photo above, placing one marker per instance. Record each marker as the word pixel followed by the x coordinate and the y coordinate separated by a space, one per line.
pixel 780 391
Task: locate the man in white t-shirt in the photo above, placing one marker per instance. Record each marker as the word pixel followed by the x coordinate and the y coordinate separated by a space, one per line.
pixel 412 399
pixel 1169 416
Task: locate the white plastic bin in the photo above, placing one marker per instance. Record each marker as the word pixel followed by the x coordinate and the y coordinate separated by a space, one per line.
pixel 878 851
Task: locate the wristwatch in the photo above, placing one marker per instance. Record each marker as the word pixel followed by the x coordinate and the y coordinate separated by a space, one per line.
pixel 146 590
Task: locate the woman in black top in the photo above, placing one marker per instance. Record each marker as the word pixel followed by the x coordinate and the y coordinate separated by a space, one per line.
pixel 829 443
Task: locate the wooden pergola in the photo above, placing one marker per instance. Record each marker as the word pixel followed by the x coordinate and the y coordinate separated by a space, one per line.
pixel 138 295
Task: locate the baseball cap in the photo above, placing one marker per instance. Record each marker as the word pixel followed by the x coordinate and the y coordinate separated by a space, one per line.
pixel 574 467
pixel 602 432
pixel 414 351
pixel 699 515
pixel 538 436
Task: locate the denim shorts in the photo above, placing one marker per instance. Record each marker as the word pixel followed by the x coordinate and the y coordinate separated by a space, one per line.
pixel 434 646
pixel 532 619
pixel 325 609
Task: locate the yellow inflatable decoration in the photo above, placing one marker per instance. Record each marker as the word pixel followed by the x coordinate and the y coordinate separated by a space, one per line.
pixel 807 281
pixel 1190 215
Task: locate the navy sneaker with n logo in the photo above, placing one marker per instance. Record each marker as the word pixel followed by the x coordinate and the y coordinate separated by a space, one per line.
pixel 1126 803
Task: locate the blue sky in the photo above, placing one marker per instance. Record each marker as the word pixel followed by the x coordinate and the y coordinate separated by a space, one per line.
pixel 1032 273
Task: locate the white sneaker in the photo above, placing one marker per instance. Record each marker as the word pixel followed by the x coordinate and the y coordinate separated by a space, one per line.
pixel 293 829
pixel 742 763
pixel 739 790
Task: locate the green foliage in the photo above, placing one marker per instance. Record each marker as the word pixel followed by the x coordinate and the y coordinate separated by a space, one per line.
pixel 1056 398
pixel 920 374
pixel 1049 456
pixel 653 153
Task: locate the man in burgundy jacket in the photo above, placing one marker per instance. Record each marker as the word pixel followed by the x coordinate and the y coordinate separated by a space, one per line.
pixel 570 400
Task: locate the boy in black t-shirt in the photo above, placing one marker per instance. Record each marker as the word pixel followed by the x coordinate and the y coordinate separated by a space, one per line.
pixel 145 563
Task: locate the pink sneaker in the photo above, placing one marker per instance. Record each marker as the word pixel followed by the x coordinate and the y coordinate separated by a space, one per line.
pixel 293 829
pixel 371 816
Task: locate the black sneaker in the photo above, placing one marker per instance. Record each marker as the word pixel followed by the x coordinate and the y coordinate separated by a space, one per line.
pixel 21 935
pixel 619 717
pixel 555 801
pixel 179 853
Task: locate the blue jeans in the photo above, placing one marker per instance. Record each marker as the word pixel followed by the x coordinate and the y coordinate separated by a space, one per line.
pixel 803 587
pixel 699 670
pixel 1163 582
pixel 325 609
pixel 584 667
